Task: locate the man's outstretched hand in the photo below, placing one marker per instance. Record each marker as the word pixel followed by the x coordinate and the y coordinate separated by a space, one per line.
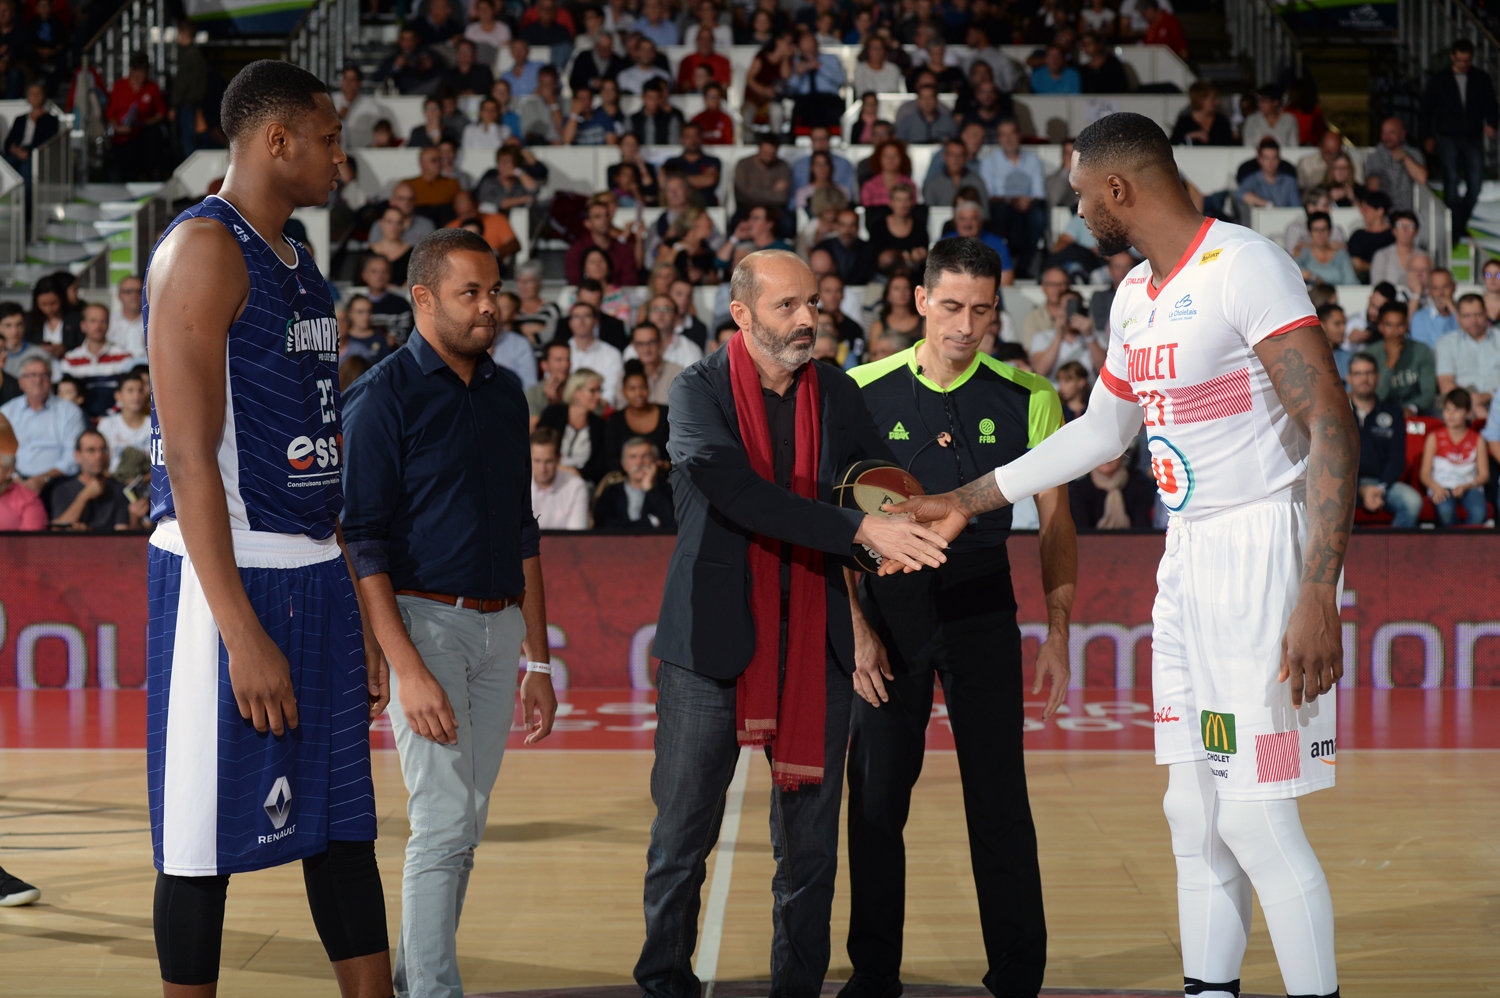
pixel 902 543
pixel 942 514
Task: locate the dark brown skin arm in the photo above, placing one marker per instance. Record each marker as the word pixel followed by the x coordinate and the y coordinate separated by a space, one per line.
pixel 1306 380
pixel 1058 539
pixel 189 337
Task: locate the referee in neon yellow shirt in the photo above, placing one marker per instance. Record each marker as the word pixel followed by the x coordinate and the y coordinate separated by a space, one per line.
pixel 951 415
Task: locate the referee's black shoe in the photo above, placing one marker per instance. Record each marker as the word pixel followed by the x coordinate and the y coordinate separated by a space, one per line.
pixel 863 985
pixel 15 892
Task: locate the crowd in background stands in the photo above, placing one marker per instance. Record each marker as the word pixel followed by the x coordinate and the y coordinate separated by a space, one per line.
pixel 597 362
pixel 75 403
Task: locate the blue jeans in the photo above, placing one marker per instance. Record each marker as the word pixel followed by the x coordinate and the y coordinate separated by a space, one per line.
pixel 1463 159
pixel 1474 507
pixel 1404 502
pixel 696 751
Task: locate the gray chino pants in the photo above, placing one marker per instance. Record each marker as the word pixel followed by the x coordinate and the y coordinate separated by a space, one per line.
pixel 474 656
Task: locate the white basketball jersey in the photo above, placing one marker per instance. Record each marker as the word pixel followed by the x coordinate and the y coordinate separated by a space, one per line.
pixel 1218 433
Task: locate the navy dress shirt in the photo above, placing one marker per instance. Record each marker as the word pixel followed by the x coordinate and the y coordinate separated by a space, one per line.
pixel 437 476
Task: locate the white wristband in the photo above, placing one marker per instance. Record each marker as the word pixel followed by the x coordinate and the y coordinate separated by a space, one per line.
pixel 545 668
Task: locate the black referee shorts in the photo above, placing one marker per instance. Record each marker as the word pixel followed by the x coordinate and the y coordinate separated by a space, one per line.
pixel 957 624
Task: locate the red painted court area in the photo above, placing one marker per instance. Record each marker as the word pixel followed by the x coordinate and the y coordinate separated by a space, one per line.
pixel 624 720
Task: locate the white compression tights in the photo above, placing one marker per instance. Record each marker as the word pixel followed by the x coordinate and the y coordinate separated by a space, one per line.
pixel 1223 848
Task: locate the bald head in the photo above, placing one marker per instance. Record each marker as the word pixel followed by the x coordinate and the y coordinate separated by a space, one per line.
pixel 746 281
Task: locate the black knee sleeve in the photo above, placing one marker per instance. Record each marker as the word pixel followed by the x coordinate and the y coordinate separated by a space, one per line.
pixel 348 905
pixel 188 913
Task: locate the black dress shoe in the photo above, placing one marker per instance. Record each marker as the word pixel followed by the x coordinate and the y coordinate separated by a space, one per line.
pixel 869 986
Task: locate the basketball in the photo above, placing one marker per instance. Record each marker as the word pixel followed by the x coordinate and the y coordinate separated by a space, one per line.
pixel 868 485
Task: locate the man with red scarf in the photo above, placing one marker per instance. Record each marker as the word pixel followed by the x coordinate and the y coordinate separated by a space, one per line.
pixel 755 635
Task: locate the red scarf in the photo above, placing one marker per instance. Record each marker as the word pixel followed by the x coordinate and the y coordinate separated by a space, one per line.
pixel 791 721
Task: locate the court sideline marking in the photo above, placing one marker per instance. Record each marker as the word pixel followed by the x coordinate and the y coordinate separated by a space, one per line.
pixel 707 965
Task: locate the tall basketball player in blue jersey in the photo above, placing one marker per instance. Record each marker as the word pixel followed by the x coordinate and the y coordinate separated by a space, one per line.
pixel 261 679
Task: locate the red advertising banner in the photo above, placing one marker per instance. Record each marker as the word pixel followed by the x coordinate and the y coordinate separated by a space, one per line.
pixel 1420 609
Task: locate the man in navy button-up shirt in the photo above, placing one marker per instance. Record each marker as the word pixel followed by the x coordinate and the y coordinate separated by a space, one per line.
pixel 438 524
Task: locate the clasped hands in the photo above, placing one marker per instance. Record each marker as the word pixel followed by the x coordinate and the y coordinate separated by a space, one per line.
pixel 927 524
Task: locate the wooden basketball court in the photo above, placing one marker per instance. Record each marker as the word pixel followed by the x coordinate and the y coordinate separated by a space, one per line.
pixel 1410 840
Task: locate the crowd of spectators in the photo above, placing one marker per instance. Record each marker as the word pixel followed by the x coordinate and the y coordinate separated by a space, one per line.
pixel 597 362
pixel 75 403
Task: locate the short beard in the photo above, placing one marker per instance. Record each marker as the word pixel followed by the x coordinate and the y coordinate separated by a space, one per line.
pixel 1109 235
pixel 786 352
pixel 458 334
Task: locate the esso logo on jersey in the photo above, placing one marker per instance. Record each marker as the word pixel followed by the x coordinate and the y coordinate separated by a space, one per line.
pixel 303 452
pixel 299 453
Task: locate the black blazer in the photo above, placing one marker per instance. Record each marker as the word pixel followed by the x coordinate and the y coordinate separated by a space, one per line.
pixel 556 416
pixel 46 127
pixel 705 623
pixel 72 332
pixel 612 509
pixel 1444 115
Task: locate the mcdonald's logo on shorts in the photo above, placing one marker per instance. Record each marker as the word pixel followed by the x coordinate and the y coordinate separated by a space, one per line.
pixel 1218 733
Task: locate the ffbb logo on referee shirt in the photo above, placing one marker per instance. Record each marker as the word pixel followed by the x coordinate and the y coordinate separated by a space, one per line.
pixel 1218 733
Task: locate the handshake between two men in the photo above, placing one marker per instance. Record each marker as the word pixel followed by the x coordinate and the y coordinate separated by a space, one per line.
pixel 918 529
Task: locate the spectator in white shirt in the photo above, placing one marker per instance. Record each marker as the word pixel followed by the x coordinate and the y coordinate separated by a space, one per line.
pixel 588 351
pixel 96 362
pixel 645 345
pixel 485 29
pixel 874 74
pixel 1271 120
pixel 559 502
pixel 126 329
pixel 131 426
pixel 633 80
pixel 680 351
pixel 487 132
pixel 358 111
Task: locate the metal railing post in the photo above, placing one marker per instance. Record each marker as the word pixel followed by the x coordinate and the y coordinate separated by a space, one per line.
pixel 323 41
pixel 51 177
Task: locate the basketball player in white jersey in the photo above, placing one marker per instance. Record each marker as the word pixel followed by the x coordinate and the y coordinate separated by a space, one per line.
pixel 1215 347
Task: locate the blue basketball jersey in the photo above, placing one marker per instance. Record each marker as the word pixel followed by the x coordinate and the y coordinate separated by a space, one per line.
pixel 281 451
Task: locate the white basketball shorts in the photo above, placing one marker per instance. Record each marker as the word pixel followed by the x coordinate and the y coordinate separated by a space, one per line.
pixel 1225 590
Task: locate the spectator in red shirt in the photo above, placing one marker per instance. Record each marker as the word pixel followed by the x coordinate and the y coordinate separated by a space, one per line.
pixel 136 109
pixel 1162 28
pixel 621 255
pixel 717 127
pixel 718 66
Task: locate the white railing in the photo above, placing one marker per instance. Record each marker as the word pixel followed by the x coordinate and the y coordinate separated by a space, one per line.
pixel 12 216
pixel 1258 35
pixel 51 175
pixel 138 26
pixel 323 41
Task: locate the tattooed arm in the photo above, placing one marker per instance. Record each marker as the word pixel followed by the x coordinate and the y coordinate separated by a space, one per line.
pixel 1101 434
pixel 1307 382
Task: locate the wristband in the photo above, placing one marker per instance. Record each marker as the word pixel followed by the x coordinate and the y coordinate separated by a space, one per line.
pixel 545 668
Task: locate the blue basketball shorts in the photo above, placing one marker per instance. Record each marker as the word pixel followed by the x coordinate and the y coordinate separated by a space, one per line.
pixel 225 798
